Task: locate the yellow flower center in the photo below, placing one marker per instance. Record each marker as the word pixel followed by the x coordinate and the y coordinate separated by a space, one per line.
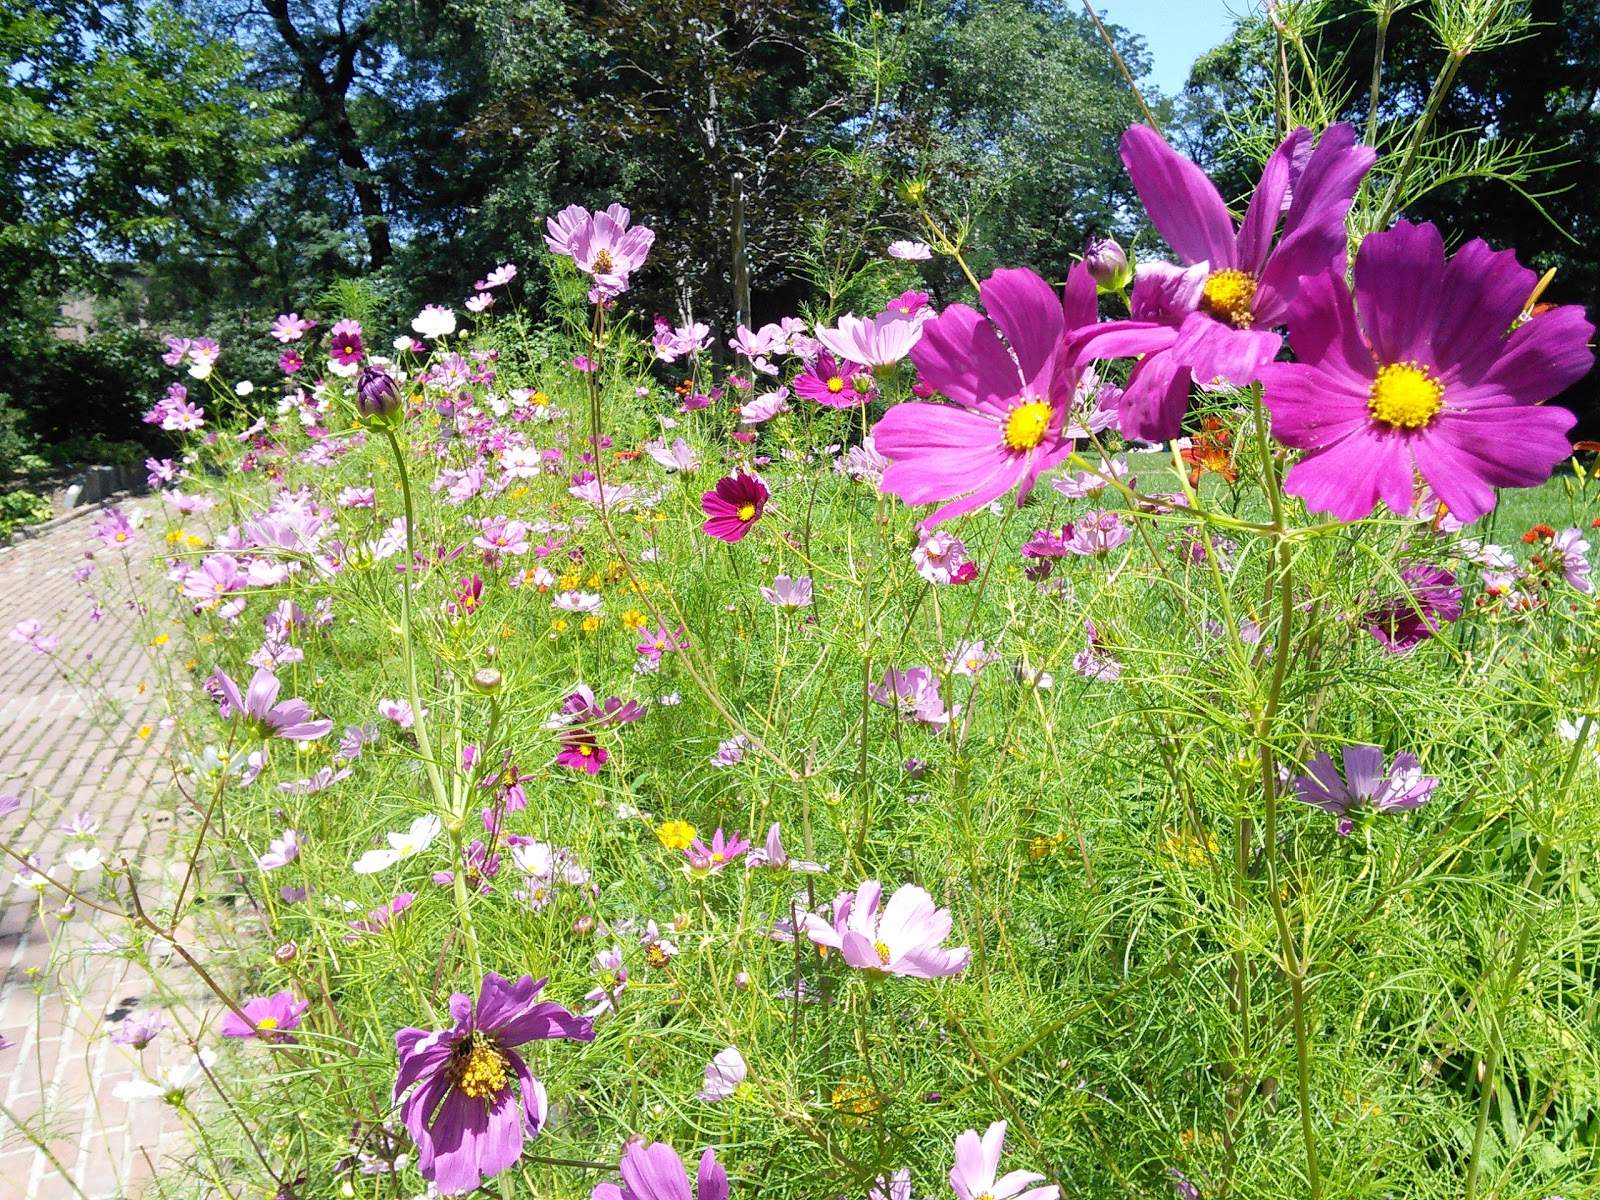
pixel 1026 426
pixel 747 512
pixel 656 957
pixel 1405 396
pixel 1227 296
pixel 267 1023
pixel 603 262
pixel 586 751
pixel 835 385
pixel 482 1071
pixel 883 952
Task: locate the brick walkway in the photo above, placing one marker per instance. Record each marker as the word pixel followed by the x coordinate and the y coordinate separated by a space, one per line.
pixel 65 751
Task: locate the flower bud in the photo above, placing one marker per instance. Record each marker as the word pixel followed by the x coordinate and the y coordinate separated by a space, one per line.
pixel 1108 264
pixel 286 953
pixel 916 768
pixel 583 926
pixel 377 394
pixel 742 980
pixel 486 680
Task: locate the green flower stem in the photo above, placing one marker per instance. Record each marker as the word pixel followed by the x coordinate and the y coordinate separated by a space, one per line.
pixel 441 794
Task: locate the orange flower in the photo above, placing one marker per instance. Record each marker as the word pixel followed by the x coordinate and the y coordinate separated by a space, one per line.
pixel 1211 450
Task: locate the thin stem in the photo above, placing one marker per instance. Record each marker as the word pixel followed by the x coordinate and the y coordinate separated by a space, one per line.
pixel 1122 66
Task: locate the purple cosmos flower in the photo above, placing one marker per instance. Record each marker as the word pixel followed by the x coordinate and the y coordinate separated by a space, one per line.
pixel 281 851
pixel 345 346
pixel 904 940
pixel 1108 264
pixel 270 1018
pixel 1097 533
pixel 877 343
pixel 582 708
pixel 355 739
pixel 731 752
pixel 679 457
pixel 655 1172
pixel 1365 783
pixel 1094 661
pixel 968 658
pixel 139 1031
pixel 978 1163
pixel 1215 317
pixel 773 855
pixel 717 857
pixel 1431 601
pixel 463 1113
pixel 499 277
pixel 291 719
pixel 788 593
pixel 733 506
pixel 896 1187
pixel 1012 390
pixel 611 980
pixel 398 711
pixel 113 528
pixel 724 1074
pixel 1430 371
pixel 939 556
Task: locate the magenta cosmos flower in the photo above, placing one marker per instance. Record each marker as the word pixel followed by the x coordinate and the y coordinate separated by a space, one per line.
pixel 1215 317
pixel 464 1113
pixel 581 752
pixel 259 704
pixel 976 1173
pixel 270 1017
pixel 717 857
pixel 655 1172
pixel 904 940
pixel 1429 370
pixel 1012 390
pixel 1431 601
pixel 835 383
pixel 733 506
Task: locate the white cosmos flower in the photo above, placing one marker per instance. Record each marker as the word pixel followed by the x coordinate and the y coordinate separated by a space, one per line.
pixel 401 845
pixel 170 1082
pixel 85 858
pixel 434 321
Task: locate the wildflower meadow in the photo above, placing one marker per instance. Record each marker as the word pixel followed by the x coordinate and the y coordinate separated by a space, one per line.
pixel 1125 734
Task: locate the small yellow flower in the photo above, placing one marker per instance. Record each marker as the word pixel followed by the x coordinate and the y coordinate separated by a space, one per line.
pixel 855 1100
pixel 160 639
pixel 145 731
pixel 1043 846
pixel 593 580
pixel 676 835
pixel 634 619
pixel 174 536
pixel 570 580
pixel 517 493
pixel 539 399
pixel 590 624
pixel 1186 847
pixel 559 624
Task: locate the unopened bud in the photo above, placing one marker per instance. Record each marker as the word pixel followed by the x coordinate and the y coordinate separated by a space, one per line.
pixel 377 394
pixel 1108 264
pixel 583 926
pixel 741 980
pixel 486 680
pixel 286 953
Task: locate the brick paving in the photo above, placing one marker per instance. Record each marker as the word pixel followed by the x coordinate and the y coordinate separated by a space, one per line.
pixel 67 749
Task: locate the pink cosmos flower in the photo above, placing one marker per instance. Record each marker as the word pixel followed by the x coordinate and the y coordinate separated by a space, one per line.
pixel 773 855
pixel 905 940
pixel 1215 317
pixel 724 1074
pixel 1097 533
pixel 836 384
pixel 1430 370
pixel 788 593
pixel 259 705
pixel 281 851
pixel 733 506
pixel 1431 600
pixel 499 277
pixel 717 857
pixel 973 1177
pixel 291 327
pixel 680 457
pixel 914 694
pixel 655 1172
pixel 481 302
pixel 1011 387
pixel 345 346
pixel 1094 661
pixel 113 528
pixel 909 251
pixel 1365 784
pixel 878 343
pixel 398 711
pixel 601 244
pixel 1569 554
pixel 939 555
pixel 654 645
pixel 763 408
pixel 270 1018
pixel 290 361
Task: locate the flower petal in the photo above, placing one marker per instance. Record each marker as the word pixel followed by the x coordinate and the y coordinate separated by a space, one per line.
pixel 1183 204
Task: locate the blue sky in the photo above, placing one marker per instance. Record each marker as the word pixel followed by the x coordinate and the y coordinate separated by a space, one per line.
pixel 1175 31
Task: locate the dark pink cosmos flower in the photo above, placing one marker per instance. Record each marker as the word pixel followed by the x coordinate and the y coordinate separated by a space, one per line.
pixel 259 704
pixel 270 1018
pixel 1432 600
pixel 1429 370
pixel 464 1114
pixel 1012 390
pixel 836 384
pixel 1215 317
pixel 290 361
pixel 717 857
pixel 733 506
pixel 655 1172
pixel 345 346
pixel 581 752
